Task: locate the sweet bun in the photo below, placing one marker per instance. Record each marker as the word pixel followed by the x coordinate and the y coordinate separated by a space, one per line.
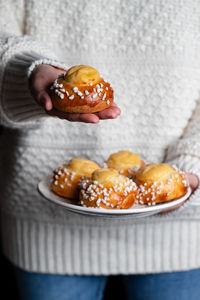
pixel 66 178
pixel 108 189
pixel 126 162
pixel 81 90
pixel 160 183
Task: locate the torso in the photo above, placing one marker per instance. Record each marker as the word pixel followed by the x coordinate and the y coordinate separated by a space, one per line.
pixel 147 50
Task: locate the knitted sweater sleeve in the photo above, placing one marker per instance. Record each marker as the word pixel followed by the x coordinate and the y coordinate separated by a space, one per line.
pixel 19 54
pixel 185 153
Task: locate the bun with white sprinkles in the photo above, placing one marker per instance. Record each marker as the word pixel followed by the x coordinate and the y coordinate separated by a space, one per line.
pixel 160 183
pixel 126 162
pixel 108 189
pixel 81 90
pixel 91 186
pixel 66 178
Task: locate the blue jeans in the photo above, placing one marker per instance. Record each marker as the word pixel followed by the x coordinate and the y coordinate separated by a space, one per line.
pixel 165 286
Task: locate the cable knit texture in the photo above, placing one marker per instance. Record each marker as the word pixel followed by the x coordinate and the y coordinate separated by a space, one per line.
pixel 150 52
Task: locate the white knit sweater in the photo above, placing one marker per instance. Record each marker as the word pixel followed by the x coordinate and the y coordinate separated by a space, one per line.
pixel 150 52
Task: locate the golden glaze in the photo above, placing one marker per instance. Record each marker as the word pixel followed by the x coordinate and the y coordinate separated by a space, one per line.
pixel 126 162
pixel 155 172
pixel 66 179
pixel 108 189
pixel 81 90
pixel 160 183
pixel 82 166
pixel 82 75
pixel 108 177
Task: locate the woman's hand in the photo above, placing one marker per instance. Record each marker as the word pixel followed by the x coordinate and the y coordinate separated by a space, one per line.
pixel 193 182
pixel 40 81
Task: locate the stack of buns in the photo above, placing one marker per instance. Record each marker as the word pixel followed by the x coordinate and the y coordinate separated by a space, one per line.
pixel 124 181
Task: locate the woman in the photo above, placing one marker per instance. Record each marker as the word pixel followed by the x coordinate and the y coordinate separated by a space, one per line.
pixel 149 51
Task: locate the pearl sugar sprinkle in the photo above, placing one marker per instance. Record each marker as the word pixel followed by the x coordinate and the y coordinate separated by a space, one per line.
pixel 95 192
pixel 66 175
pixel 149 193
pixel 97 91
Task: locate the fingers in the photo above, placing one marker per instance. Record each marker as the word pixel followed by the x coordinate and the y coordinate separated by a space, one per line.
pixel 86 118
pixel 111 112
pixel 73 117
pixel 171 209
pixel 193 180
pixel 45 101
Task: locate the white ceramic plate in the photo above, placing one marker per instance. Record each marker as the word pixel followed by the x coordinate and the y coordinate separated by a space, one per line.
pixel 137 211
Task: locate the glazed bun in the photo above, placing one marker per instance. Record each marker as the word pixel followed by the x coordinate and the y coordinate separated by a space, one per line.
pixel 108 189
pixel 126 162
pixel 160 183
pixel 81 90
pixel 66 178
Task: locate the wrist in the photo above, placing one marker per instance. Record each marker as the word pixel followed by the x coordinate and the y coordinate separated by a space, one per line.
pixel 38 64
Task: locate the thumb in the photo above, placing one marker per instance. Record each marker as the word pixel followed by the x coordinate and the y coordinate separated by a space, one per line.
pixel 45 101
pixel 193 180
